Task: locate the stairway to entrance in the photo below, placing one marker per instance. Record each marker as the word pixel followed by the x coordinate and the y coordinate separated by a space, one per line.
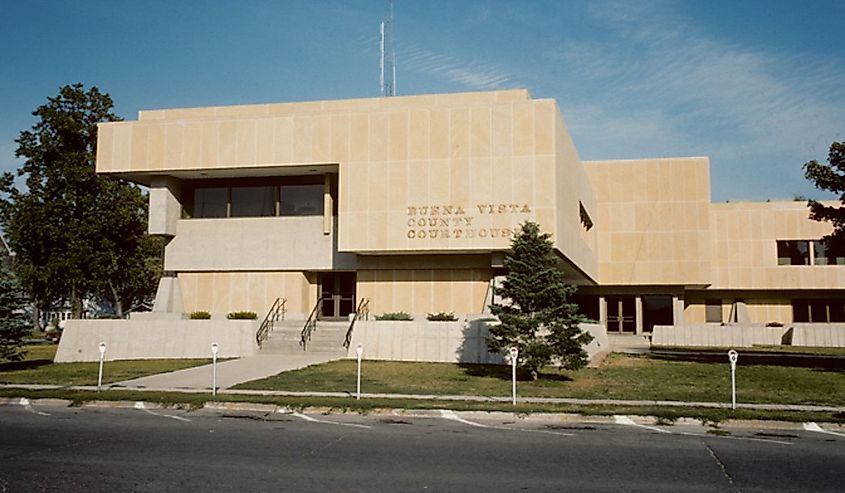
pixel 326 338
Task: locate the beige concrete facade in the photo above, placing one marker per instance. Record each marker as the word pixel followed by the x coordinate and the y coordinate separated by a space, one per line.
pixel 420 198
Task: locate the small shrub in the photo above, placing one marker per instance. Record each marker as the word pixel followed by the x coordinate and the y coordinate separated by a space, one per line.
pixel 242 315
pixel 403 316
pixel 442 317
pixel 200 315
pixel 774 324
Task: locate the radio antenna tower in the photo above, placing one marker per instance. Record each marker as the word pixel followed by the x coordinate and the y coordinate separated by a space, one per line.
pixel 387 80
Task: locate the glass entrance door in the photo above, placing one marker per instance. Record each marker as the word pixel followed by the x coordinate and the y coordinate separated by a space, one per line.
pixel 621 316
pixel 337 291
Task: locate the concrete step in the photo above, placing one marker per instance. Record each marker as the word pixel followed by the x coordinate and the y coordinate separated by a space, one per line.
pixel 326 338
pixel 295 349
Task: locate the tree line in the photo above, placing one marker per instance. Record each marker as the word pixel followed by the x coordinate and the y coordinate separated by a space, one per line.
pixel 74 235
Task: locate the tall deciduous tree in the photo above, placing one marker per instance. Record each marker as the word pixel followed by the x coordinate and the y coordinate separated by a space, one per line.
pixel 74 233
pixel 829 176
pixel 536 314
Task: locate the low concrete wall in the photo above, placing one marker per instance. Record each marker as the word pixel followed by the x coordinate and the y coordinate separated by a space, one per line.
pixel 445 342
pixel 601 343
pixel 154 339
pixel 701 335
pixel 818 335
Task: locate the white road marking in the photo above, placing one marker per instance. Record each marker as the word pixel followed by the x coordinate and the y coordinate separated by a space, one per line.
pixel 142 407
pixel 625 420
pixel 450 415
pixel 322 421
pixel 753 439
pixel 547 432
pixel 768 440
pixel 28 406
pixel 818 429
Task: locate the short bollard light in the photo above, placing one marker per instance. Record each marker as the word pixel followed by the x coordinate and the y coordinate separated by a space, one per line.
pixel 732 357
pixel 514 352
pixel 214 349
pixel 359 350
pixel 102 358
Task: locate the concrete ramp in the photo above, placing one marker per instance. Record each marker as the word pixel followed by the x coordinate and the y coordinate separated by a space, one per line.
pixel 229 373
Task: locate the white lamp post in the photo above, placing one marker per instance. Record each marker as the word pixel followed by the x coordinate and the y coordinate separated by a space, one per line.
pixel 214 349
pixel 732 357
pixel 102 358
pixel 514 352
pixel 359 350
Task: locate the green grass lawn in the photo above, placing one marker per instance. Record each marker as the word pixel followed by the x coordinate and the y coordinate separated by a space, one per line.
pixel 38 367
pixel 620 377
pixel 825 351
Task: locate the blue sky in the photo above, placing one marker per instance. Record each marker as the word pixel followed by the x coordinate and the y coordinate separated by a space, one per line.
pixel 758 86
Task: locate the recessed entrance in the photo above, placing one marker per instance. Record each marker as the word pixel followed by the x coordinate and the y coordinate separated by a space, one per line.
pixel 621 314
pixel 337 292
pixel 657 310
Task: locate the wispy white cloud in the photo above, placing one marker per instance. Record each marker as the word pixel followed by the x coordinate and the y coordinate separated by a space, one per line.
pixel 664 79
pixel 471 74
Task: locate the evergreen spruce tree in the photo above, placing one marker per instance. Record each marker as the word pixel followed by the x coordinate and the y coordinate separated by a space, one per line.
pixel 536 315
pixel 14 323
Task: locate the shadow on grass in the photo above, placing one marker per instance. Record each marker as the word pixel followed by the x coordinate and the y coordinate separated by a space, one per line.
pixel 817 362
pixel 503 372
pixel 30 364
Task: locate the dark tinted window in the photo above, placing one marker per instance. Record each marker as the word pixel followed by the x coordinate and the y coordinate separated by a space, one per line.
pixel 301 200
pixel 211 202
pixel 253 201
pixel 826 253
pixel 793 252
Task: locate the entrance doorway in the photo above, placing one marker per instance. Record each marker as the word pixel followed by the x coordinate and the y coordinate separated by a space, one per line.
pixel 621 314
pixel 657 310
pixel 337 292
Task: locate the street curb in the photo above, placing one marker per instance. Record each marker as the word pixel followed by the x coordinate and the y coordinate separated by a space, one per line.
pixel 446 399
pixel 541 418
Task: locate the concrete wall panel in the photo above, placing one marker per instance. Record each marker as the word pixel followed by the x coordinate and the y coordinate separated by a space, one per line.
pixel 156 339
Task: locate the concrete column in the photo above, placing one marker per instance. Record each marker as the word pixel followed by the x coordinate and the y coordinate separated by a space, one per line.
pixel 165 206
pixel 328 204
pixel 168 296
pixel 638 311
pixel 602 311
pixel 677 310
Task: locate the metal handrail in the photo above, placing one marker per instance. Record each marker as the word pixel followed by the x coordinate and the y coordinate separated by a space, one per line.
pixel 310 325
pixel 278 309
pixel 363 309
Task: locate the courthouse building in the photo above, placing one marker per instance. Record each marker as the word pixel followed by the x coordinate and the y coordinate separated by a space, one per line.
pixel 410 203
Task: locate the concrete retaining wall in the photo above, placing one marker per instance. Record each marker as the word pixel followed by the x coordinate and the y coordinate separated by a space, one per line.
pixel 818 335
pixel 701 335
pixel 446 342
pixel 155 339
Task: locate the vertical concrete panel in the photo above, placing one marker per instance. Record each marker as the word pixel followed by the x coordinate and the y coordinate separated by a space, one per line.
pixel 398 145
pixel 359 137
pixel 439 134
pixel 418 135
pixel 379 136
pixel 480 132
pixel 502 130
pixel 302 138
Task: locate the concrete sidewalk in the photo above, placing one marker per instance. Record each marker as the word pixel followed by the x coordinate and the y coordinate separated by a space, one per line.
pixel 229 373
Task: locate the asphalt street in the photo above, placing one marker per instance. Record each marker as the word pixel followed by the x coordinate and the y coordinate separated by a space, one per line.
pixel 46 448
